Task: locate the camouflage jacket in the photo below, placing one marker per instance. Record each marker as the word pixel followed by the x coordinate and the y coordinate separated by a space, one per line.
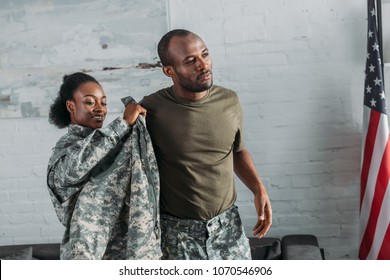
pixel 104 185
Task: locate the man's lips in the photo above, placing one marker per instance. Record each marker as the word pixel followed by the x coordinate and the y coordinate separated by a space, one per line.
pixel 205 76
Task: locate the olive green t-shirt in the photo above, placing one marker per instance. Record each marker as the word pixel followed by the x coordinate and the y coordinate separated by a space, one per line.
pixel 194 143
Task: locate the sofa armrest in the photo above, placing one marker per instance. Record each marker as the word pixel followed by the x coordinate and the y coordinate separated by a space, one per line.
pixel 266 248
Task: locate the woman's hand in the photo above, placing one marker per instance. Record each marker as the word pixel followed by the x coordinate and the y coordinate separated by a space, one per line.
pixel 132 111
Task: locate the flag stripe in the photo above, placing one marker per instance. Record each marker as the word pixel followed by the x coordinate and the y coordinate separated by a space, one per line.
pixel 366 120
pixel 384 252
pixel 382 230
pixel 376 204
pixel 377 147
pixel 368 150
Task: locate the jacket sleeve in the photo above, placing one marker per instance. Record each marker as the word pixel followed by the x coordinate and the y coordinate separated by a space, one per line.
pixel 81 157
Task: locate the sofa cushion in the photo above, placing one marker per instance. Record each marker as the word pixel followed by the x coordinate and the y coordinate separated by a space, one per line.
pixel 20 254
pixel 50 251
pixel 302 252
pixel 301 247
pixel 45 251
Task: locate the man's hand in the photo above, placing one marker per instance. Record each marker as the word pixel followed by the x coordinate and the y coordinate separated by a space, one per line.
pixel 264 214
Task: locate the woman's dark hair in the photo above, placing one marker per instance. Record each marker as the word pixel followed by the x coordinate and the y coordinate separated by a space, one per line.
pixel 58 114
pixel 162 47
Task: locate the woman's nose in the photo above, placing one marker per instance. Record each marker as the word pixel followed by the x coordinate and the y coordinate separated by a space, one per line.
pixel 98 107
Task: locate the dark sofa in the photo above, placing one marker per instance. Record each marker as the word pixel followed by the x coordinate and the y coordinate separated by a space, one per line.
pixel 290 247
pixel 49 251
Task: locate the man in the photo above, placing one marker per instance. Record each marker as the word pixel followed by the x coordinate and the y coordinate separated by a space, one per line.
pixel 196 130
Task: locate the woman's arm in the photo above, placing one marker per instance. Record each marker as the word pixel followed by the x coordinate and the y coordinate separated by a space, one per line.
pixel 83 155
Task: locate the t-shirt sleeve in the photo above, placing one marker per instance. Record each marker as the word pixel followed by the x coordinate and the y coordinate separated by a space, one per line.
pixel 239 139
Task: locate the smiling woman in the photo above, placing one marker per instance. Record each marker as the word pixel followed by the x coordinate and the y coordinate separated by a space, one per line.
pixel 88 107
pixel 91 174
pixel 76 100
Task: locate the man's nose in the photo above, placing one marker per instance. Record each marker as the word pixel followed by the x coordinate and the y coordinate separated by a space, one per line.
pixel 203 63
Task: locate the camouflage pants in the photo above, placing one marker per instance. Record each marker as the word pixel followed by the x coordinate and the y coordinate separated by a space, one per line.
pixel 220 238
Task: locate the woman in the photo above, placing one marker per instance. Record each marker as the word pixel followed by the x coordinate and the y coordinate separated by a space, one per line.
pixel 103 182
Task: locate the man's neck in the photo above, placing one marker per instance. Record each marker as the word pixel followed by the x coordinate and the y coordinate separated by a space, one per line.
pixel 191 96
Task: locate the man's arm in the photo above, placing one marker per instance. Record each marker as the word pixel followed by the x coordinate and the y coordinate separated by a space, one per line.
pixel 246 171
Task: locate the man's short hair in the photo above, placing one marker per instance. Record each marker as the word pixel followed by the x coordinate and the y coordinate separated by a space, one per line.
pixel 162 47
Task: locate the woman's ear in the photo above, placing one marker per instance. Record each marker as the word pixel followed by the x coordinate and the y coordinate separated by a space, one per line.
pixel 70 106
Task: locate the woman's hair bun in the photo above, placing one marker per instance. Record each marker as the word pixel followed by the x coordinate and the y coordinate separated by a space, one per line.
pixel 65 78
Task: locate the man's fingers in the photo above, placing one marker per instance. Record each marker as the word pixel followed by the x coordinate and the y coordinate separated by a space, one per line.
pixel 262 226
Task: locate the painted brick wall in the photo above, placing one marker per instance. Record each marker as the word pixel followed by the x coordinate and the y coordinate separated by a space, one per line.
pixel 112 40
pixel 296 65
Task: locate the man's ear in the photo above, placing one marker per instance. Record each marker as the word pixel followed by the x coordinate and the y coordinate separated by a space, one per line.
pixel 168 71
pixel 70 106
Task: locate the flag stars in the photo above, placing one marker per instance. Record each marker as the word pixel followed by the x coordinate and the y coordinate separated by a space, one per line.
pixel 374 93
pixel 375 47
pixel 377 81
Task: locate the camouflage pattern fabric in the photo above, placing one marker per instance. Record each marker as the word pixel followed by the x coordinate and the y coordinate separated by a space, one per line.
pixel 220 238
pixel 104 185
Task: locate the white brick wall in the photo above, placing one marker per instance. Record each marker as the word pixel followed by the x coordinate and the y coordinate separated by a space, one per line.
pixel 26 213
pixel 298 69
pixel 40 42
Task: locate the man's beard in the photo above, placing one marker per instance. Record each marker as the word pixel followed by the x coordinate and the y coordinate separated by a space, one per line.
pixel 197 88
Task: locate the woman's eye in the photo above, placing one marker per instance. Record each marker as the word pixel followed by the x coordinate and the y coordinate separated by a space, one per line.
pixel 89 102
pixel 104 104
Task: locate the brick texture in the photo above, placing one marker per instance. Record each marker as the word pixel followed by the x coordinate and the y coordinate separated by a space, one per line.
pixel 298 67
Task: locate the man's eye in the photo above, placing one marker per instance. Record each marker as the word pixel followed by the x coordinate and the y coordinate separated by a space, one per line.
pixel 104 104
pixel 191 61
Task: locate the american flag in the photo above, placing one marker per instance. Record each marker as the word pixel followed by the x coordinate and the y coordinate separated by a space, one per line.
pixel 375 168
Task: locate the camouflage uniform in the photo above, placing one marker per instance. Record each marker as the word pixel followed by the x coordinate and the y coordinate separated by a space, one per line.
pixel 220 238
pixel 104 185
